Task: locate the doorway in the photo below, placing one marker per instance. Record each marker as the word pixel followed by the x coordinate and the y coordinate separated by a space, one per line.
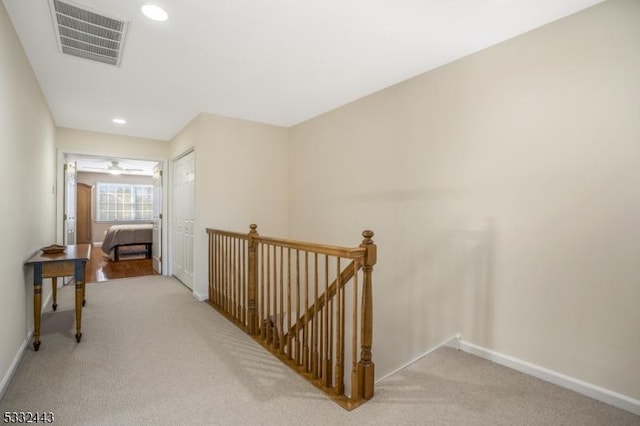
pixel 86 217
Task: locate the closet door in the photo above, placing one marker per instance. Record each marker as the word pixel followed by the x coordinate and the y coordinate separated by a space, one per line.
pixel 183 218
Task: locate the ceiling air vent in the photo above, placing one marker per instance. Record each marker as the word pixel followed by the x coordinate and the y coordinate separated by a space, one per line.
pixel 87 33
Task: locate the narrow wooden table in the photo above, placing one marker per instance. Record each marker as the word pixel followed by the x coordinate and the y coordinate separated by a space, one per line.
pixel 71 263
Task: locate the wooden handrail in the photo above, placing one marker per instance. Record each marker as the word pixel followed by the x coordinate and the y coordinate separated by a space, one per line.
pixel 238 235
pixel 290 296
pixel 347 253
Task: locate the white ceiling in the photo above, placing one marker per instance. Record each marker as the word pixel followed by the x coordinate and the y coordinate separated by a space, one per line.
pixel 275 61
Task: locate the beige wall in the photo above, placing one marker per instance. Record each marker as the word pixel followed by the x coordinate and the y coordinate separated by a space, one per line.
pixel 241 178
pixel 105 144
pixel 503 189
pixel 186 139
pixel 99 229
pixel 27 212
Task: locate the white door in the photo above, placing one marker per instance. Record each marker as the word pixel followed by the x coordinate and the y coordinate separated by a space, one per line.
pixel 183 218
pixel 69 202
pixel 156 248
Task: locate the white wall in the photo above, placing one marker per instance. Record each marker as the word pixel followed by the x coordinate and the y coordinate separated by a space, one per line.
pixel 503 190
pixel 241 178
pixel 27 211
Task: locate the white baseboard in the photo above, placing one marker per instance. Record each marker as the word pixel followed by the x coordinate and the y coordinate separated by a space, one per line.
pixel 451 342
pixel 592 391
pixel 200 297
pixel 4 383
pixel 97 244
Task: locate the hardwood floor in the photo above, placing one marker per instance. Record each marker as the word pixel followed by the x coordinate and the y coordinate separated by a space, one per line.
pixel 132 263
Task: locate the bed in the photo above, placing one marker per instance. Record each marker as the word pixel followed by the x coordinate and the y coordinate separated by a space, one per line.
pixel 127 235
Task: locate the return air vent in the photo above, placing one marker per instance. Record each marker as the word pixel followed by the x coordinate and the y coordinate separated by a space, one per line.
pixel 87 33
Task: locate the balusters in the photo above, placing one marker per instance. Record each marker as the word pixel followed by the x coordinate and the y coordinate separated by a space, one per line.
pixel 221 272
pixel 281 317
pixel 316 319
pixel 235 302
pixel 301 306
pixel 266 335
pixel 227 277
pixel 212 268
pixel 243 281
pixel 328 326
pixel 297 344
pixel 288 335
pixel 261 284
pixel 339 381
pixel 274 318
pixel 305 328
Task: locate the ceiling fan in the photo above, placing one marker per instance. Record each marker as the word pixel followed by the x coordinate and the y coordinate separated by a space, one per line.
pixel 115 169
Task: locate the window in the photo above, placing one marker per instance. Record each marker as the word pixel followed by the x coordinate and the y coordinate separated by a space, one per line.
pixel 121 201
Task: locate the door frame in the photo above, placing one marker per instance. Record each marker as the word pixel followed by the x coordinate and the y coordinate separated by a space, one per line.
pixel 61 156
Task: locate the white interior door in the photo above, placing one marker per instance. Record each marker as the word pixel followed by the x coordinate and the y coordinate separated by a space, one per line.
pixel 70 202
pixel 156 248
pixel 183 218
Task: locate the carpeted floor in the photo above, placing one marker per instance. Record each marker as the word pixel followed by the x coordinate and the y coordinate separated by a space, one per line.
pixel 151 354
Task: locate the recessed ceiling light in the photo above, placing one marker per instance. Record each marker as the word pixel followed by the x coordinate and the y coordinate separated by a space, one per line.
pixel 119 121
pixel 154 12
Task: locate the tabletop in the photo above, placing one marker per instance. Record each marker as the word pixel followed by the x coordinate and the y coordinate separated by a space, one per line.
pixel 72 252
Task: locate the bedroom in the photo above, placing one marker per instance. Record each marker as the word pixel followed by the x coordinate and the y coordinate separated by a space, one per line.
pixel 113 210
pixel 113 204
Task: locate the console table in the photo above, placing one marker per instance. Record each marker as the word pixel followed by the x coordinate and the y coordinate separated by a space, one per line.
pixel 71 263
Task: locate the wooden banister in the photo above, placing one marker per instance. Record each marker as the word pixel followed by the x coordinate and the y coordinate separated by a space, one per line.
pixel 291 297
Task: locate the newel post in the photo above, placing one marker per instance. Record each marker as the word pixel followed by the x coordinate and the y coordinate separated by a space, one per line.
pixel 365 365
pixel 252 326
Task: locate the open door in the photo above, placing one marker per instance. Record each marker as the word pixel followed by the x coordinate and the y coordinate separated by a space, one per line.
pixel 156 248
pixel 70 202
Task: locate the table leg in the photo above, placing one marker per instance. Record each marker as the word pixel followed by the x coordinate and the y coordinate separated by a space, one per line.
pixel 37 305
pixel 79 276
pixel 84 287
pixel 54 290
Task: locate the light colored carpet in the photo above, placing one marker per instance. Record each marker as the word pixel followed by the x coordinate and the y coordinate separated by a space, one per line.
pixel 151 354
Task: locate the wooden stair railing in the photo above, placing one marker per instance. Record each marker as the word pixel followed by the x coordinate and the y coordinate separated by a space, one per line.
pixel 298 302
